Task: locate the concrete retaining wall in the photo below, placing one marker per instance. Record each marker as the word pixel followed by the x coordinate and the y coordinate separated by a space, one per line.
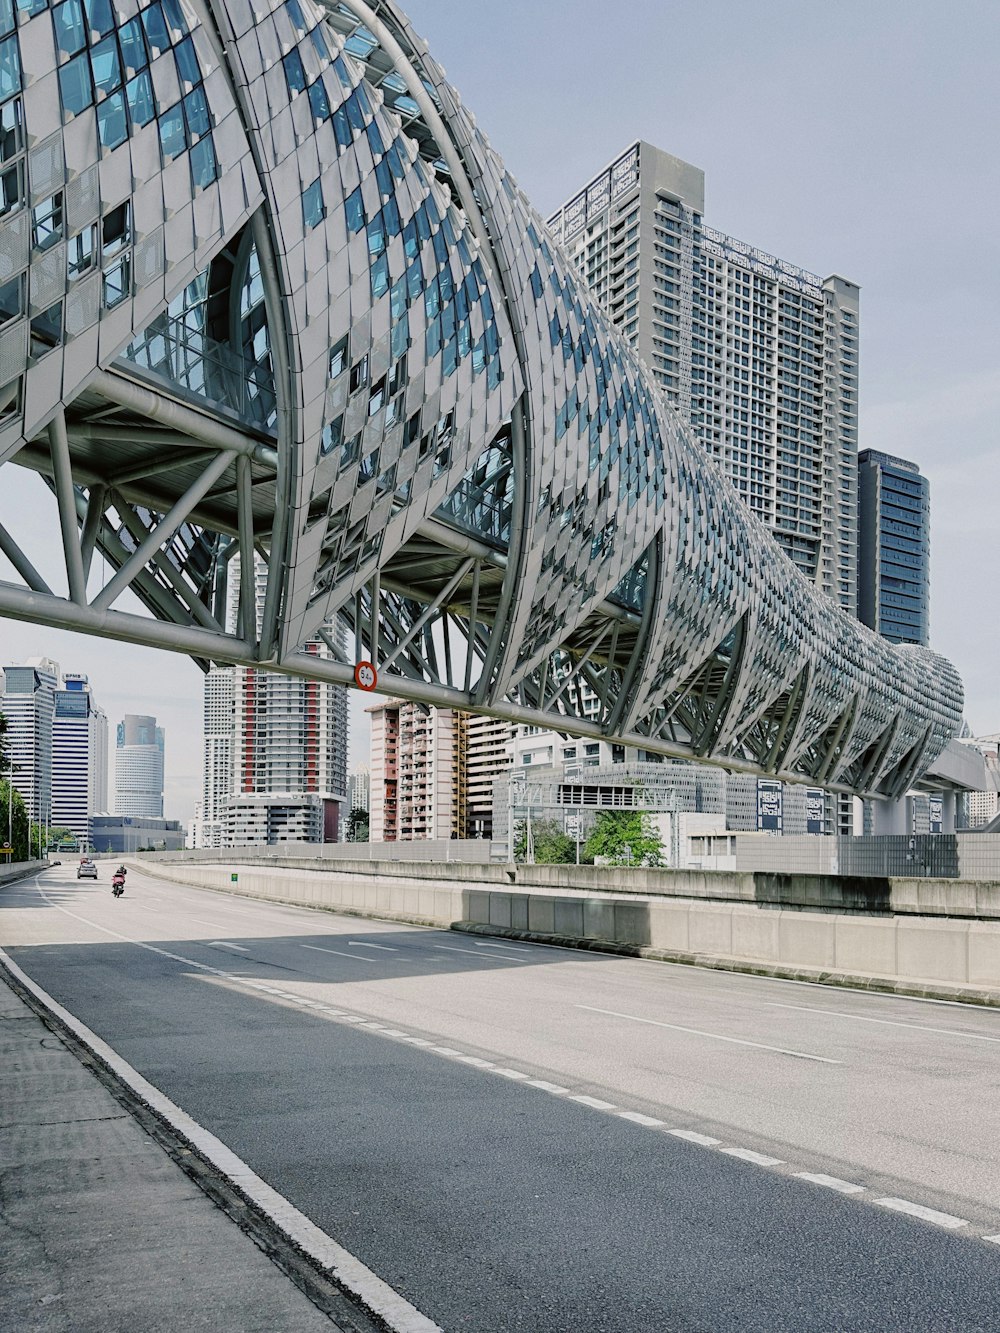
pixel 908 952
pixel 10 873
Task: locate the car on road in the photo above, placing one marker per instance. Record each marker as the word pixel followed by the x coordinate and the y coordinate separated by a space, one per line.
pixel 86 870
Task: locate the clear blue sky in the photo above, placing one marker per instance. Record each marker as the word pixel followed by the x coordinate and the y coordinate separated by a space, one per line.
pixel 853 138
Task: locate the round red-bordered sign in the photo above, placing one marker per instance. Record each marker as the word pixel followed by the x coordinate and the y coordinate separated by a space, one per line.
pixel 365 676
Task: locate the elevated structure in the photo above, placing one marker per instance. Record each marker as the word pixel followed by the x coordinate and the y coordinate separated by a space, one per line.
pixel 266 288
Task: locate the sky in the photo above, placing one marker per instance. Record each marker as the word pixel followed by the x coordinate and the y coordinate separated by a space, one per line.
pixel 857 138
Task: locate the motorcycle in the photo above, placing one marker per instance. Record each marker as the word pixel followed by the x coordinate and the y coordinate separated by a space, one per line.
pixel 118 885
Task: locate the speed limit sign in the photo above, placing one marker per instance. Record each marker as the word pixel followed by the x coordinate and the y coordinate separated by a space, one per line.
pixel 365 676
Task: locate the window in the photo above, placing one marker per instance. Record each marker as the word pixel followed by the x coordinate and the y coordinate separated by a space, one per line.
pixel 111 124
pixel 11 299
pixel 47 220
pixel 74 86
pixel 187 63
pixel 204 164
pixel 116 230
pixel 133 46
pixel 106 66
pixel 11 188
pixel 46 330
pixel 80 252
pixel 331 437
pixel 319 101
pixel 139 93
pixel 99 17
pixel 359 375
pixel 196 114
pixel 338 358
pixel 67 20
pixel 116 283
pixel 172 136
pixel 313 208
pixel 295 74
pixel 355 209
pixel 156 29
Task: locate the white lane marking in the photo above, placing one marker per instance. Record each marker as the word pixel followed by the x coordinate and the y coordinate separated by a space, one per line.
pixel 224 944
pixel 594 1102
pixel 476 1061
pixel 355 957
pixel 925 1214
pixel 747 1155
pixel 201 922
pixel 445 1050
pixel 361 944
pixel 715 1036
pixel 453 948
pixel 637 1118
pixel 504 1072
pixel 831 1182
pixel 884 1022
pixel 417 1041
pixel 556 1089
pixel 693 1136
pixel 397 1312
pixel 994 1240
pixel 512 947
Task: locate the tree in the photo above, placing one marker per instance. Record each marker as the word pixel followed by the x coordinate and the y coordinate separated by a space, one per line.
pixel 551 845
pixel 625 837
pixel 357 825
pixel 11 803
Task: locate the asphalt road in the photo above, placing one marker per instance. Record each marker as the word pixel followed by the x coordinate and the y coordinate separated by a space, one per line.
pixel 520 1137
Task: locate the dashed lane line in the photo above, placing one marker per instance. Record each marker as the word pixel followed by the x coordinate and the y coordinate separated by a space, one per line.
pixel 945 1220
pixel 224 944
pixel 715 1036
pixel 884 1022
pixel 354 957
pixel 830 1182
pixel 454 948
pixel 693 1136
pixel 363 944
pixel 748 1155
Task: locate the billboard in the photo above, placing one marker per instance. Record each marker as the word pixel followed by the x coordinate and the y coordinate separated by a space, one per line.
pixel 935 814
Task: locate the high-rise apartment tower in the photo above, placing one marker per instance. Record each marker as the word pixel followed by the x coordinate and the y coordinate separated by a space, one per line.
pixel 139 767
pixel 758 354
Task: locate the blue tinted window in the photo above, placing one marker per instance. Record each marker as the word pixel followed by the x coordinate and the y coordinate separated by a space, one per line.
pixel 30 7
pixel 313 208
pixel 395 160
pixel 133 46
pixel 111 125
pixel 187 62
pixel 341 127
pixel 391 214
pixel 380 275
pixel 414 280
pixel 353 108
pixel 204 164
pixel 172 137
pixel 355 210
pixel 375 142
pixel 74 85
pixel 410 246
pixel 295 75
pixel 156 29
pixel 342 74
pixel 11 301
pixel 376 235
pixel 67 19
pixel 450 358
pixel 106 66
pixel 319 101
pixel 384 178
pixel 99 17
pixel 319 44
pixel 400 337
pixel 7 23
pixel 196 113
pixel 10 68
pixel 140 98
pixel 174 15
pixel 433 338
pixel 294 11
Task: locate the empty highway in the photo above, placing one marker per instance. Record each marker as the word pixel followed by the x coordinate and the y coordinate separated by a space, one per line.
pixel 514 1136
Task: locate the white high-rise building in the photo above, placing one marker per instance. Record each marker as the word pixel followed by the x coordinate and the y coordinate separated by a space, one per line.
pixel 760 355
pixel 217 758
pixel 288 749
pixel 28 703
pixel 79 759
pixel 139 767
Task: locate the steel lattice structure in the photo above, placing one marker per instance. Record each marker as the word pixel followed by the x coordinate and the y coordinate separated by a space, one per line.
pixel 266 289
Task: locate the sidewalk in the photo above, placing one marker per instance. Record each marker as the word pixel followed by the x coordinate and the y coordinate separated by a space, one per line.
pixel 100 1230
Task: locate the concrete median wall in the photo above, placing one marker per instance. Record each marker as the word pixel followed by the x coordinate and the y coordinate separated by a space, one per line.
pixel 923 954
pixel 18 870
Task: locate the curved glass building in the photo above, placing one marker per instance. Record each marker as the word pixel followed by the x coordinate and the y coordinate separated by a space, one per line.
pixel 265 286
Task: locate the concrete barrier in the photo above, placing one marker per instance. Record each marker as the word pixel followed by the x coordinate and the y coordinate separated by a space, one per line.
pixel 955 957
pixel 10 873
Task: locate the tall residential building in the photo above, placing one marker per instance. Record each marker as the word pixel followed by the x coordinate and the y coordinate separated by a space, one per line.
pixel 28 703
pixel 139 767
pixel 760 355
pixel 487 758
pixel 418 787
pixel 289 748
pixel 893 548
pixel 217 757
pixel 79 759
pixel 359 789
